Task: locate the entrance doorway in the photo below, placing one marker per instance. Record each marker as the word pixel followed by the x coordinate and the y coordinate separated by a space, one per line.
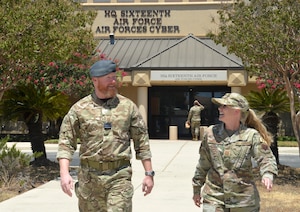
pixel 169 106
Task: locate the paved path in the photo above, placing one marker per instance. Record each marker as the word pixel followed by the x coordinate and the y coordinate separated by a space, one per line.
pixel 173 161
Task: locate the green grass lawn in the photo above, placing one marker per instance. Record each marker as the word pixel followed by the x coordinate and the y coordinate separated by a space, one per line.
pixel 287 143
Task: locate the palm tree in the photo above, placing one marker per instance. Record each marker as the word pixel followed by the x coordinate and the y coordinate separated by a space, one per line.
pixel 33 105
pixel 271 102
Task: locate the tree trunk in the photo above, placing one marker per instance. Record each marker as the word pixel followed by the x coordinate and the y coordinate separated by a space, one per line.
pixel 54 128
pixel 271 121
pixel 1 94
pixel 297 128
pixel 36 137
pixel 294 117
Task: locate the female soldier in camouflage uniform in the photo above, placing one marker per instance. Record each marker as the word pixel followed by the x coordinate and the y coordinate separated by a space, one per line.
pixel 224 168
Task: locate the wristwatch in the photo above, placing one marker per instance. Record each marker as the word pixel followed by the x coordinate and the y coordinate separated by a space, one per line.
pixel 150 173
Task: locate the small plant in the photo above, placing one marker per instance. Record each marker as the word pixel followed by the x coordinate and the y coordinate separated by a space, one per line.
pixel 12 163
pixel 287 138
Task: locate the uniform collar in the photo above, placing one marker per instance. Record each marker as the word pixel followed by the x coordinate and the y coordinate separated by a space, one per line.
pixel 221 134
pixel 106 103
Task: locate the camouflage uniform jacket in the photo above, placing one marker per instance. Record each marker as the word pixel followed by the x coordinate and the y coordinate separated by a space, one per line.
pixel 87 120
pixel 194 113
pixel 225 166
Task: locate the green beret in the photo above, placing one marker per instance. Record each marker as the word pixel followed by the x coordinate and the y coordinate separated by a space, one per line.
pixel 102 67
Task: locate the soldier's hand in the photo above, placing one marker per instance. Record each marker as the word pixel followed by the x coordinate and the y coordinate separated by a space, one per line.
pixel 267 182
pixel 148 184
pixel 197 199
pixel 66 183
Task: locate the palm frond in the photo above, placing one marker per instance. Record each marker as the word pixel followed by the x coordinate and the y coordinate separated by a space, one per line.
pixel 267 100
pixel 27 100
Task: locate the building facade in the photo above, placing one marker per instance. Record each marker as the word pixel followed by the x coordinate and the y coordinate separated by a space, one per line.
pixel 169 61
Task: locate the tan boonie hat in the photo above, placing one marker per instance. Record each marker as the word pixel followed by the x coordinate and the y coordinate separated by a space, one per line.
pixel 233 100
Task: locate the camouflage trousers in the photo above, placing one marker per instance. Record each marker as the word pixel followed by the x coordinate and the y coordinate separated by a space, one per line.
pixel 219 208
pixel 195 129
pixel 111 191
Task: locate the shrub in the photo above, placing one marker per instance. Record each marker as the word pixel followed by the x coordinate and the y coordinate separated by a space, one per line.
pixel 287 138
pixel 12 163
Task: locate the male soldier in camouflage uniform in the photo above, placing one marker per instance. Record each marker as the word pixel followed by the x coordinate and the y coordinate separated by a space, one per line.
pixel 225 168
pixel 194 119
pixel 104 122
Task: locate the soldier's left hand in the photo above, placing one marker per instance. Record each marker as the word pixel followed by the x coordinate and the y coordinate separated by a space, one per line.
pixel 267 182
pixel 148 184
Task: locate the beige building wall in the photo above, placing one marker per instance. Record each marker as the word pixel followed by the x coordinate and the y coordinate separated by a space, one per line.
pixel 251 86
pixel 160 18
pixel 154 19
pixel 129 91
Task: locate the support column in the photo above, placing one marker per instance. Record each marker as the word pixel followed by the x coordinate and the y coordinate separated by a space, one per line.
pixel 237 79
pixel 236 90
pixel 142 102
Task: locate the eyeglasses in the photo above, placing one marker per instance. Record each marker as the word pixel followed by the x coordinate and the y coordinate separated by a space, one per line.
pixel 110 78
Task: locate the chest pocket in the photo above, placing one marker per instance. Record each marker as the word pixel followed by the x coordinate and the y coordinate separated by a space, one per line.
pixel 237 155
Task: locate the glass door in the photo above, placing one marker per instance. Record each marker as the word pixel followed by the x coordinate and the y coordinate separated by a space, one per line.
pixel 169 106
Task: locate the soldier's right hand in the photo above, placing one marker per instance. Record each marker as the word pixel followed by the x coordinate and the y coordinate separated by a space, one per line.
pixel 66 183
pixel 197 199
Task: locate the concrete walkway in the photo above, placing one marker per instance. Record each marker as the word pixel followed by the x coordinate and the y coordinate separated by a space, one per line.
pixel 173 161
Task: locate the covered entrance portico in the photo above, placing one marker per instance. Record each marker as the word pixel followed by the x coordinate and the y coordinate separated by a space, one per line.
pixel 165 76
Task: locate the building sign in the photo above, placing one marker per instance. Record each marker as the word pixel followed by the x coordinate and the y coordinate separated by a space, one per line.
pixel 136 22
pixel 209 75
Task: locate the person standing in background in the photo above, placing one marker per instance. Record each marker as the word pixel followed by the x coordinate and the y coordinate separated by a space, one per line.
pixel 224 170
pixel 104 122
pixel 194 119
